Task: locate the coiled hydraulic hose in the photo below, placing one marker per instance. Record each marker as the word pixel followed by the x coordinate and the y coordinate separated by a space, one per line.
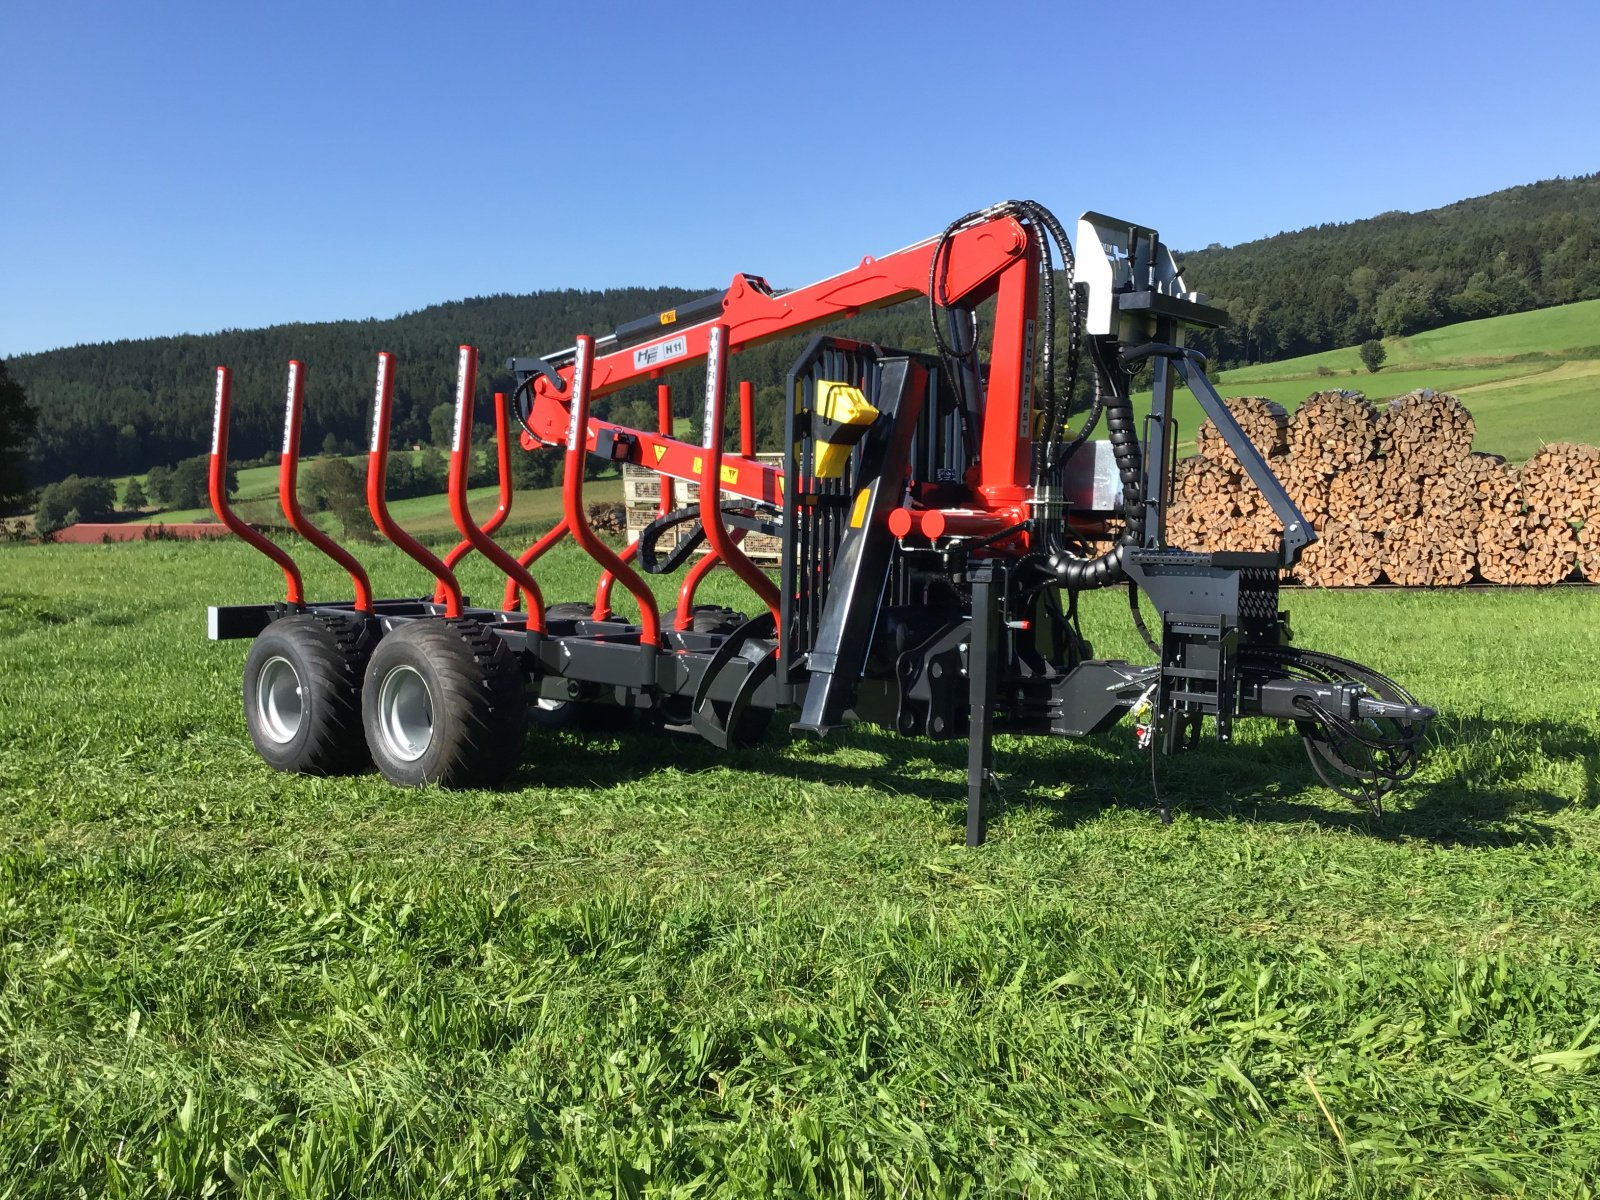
pixel 745 514
pixel 1112 394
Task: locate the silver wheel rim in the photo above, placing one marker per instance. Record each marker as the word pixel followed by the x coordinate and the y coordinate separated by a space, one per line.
pixel 280 700
pixel 405 714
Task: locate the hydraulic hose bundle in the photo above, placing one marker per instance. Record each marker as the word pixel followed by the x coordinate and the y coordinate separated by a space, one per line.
pixel 1072 572
pixel 1362 758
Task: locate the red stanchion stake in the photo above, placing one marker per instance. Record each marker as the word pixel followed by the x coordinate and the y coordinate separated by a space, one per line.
pixel 288 491
pixel 377 480
pixel 460 464
pixel 218 483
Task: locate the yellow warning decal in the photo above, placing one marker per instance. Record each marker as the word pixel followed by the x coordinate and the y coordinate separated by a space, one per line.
pixel 661 452
pixel 668 317
pixel 858 512
pixel 699 464
pixel 730 474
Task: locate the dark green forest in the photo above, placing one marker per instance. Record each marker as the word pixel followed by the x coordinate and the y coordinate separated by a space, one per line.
pixel 122 407
pixel 1401 273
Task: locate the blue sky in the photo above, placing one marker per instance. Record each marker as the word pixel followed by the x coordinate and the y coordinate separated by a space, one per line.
pixel 185 167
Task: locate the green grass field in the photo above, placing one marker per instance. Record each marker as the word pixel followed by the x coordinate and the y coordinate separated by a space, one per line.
pixel 1528 378
pixel 649 968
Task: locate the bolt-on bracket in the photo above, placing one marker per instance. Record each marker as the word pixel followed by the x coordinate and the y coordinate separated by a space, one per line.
pixel 222 414
pixel 288 490
pixel 1170 360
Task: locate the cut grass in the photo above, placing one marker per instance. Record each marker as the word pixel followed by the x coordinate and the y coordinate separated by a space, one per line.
pixel 651 968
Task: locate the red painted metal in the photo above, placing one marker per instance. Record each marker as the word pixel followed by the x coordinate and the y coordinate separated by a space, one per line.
pixel 975 259
pixel 288 490
pixel 502 441
pixel 460 468
pixel 530 556
pixel 703 566
pixel 377 478
pixel 577 520
pixel 1005 461
pixel 603 590
pixel 709 561
pixel 747 419
pixel 961 522
pixel 723 544
pixel 217 480
pixel 668 489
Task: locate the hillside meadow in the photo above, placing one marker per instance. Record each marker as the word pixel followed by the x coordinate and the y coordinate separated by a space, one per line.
pixel 1528 378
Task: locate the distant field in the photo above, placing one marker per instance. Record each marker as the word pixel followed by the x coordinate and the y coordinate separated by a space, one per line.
pixel 647 968
pixel 257 501
pixel 1528 378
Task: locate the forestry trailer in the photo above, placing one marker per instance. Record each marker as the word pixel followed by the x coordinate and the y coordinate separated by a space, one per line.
pixel 937 516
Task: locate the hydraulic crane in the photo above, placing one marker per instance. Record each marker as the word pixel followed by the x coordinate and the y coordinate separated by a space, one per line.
pixel 939 513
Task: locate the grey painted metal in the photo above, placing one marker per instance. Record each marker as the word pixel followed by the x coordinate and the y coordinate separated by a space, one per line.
pixel 280 700
pixel 405 713
pixel 982 666
pixel 1297 532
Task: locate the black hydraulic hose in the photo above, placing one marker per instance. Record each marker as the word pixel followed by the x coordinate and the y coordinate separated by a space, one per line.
pixel 1059 457
pixel 1056 405
pixel 1110 568
pixel 745 515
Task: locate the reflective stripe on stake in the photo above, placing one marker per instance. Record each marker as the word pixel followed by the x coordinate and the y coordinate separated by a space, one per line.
pixel 377 402
pixel 713 382
pixel 462 400
pixel 289 405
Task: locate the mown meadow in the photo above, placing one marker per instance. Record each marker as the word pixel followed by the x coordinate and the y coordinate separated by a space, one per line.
pixel 651 968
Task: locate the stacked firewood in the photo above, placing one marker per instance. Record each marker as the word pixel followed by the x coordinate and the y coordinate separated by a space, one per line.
pixel 1539 522
pixel 1396 495
pixel 1263 421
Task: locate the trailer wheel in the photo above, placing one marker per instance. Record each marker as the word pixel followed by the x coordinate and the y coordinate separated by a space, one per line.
pixel 444 702
pixel 302 694
pixel 715 618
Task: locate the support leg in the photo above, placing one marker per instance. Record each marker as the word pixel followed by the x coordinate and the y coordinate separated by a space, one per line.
pixel 982 660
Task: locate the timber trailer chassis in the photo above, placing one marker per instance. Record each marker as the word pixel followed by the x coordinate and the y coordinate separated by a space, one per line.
pixel 937 521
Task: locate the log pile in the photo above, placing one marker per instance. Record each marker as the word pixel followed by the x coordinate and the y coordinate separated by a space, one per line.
pixel 1265 422
pixel 1333 430
pixel 1397 495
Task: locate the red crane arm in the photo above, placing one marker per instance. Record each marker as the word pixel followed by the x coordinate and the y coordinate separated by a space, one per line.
pixel 975 260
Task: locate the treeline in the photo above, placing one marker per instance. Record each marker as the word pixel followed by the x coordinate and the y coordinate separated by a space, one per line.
pixel 120 407
pixel 1401 273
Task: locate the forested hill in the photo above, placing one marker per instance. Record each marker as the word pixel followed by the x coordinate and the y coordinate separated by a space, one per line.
pixel 1399 273
pixel 122 407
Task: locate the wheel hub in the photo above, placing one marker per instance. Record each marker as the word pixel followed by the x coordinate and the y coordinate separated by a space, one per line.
pixel 280 700
pixel 405 711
